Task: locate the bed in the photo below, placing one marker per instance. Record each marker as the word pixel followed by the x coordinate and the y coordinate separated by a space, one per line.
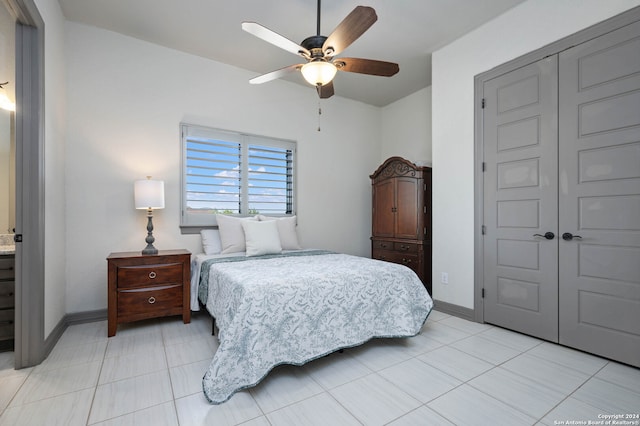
pixel 292 306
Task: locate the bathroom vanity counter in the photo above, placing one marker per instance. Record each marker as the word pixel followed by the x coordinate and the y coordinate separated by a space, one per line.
pixel 7 246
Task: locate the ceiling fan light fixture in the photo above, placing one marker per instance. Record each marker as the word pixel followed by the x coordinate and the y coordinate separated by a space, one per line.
pixel 318 72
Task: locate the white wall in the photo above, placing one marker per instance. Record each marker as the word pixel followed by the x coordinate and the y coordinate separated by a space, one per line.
pixel 406 128
pixel 126 99
pixel 525 28
pixel 55 259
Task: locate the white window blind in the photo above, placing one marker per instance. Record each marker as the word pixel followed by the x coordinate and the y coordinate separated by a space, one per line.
pixel 234 173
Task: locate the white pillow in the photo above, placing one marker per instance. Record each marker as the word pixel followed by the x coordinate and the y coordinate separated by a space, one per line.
pixel 261 237
pixel 231 233
pixel 211 241
pixel 286 230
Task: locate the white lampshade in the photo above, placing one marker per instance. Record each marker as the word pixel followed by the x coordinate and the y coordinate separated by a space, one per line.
pixel 149 194
pixel 318 72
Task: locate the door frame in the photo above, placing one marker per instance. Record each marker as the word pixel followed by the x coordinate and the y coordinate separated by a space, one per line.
pixel 589 33
pixel 29 342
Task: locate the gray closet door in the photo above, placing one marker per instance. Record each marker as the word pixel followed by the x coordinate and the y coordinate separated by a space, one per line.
pixel 599 157
pixel 520 200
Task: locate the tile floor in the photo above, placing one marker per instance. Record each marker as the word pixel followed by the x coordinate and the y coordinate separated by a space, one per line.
pixel 455 372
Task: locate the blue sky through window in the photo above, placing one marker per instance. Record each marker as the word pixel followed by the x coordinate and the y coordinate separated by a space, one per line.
pixel 214 178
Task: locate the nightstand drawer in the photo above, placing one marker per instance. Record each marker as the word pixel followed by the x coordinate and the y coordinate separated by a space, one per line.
pixel 150 301
pixel 7 294
pixel 146 275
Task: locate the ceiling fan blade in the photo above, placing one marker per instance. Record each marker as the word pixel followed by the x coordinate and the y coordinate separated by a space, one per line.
pixel 348 31
pixel 325 91
pixel 274 38
pixel 275 74
pixel 367 66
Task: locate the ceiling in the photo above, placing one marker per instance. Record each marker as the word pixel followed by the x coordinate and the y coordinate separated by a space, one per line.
pixel 407 31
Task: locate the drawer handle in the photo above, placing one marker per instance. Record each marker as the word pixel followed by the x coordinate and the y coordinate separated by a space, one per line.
pixel 383 245
pixel 403 247
pixel 406 261
pixel 152 300
pixel 152 274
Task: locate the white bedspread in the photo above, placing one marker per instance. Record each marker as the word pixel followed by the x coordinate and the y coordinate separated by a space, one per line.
pixel 293 309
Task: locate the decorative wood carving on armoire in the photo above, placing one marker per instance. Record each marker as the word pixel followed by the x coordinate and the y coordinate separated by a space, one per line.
pixel 401 225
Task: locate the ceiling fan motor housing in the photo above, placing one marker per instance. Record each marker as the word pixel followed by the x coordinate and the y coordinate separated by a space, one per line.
pixel 314 45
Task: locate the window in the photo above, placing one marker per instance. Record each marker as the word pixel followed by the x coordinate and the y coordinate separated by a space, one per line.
pixel 234 173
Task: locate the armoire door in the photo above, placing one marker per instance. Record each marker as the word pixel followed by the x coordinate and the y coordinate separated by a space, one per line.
pixel 384 195
pixel 408 202
pixel 520 200
pixel 599 196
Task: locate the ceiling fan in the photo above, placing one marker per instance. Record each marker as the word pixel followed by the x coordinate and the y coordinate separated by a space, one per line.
pixel 320 51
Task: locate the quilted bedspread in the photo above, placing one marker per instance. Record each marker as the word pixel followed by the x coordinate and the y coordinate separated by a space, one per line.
pixel 291 309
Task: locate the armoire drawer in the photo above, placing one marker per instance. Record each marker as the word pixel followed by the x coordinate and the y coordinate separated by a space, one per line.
pixel 406 259
pixel 406 247
pixel 379 254
pixel 382 245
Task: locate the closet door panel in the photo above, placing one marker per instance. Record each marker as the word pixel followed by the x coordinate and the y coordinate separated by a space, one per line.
pixel 520 190
pixel 599 198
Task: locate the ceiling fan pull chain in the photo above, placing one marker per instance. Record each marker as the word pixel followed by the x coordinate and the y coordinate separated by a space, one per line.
pixel 319 114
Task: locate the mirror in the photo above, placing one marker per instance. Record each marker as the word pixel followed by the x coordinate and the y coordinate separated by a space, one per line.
pixel 7 127
pixel 7 173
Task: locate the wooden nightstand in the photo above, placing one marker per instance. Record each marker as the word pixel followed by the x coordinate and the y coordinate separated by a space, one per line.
pixel 148 286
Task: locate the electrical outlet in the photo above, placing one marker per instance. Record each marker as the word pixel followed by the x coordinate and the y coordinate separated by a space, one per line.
pixel 444 279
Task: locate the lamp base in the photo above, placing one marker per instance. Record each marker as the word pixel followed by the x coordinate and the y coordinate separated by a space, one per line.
pixel 150 249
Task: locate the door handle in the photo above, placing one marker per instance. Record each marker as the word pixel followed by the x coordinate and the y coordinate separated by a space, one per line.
pixel 547 235
pixel 568 236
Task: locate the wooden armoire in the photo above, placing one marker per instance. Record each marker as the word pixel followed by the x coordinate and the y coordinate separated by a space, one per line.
pixel 401 225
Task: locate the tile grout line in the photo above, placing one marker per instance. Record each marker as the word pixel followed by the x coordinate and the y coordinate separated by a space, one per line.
pixel 16 393
pixel 166 362
pixel 95 388
pixel 553 360
pixel 467 382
